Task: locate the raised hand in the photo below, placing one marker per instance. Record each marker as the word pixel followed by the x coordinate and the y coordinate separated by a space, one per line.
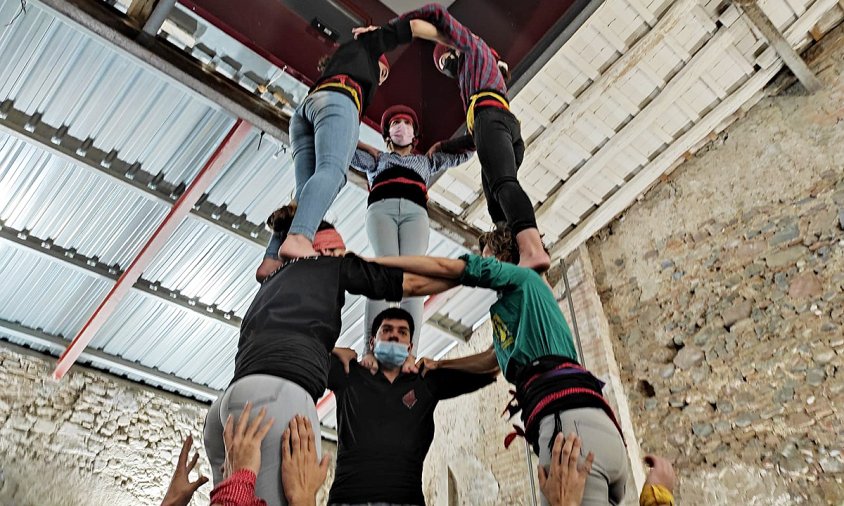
pixel 434 148
pixel 427 365
pixel 181 489
pixel 243 441
pixel 409 365
pixel 368 361
pixel 564 483
pixel 302 473
pixel 346 356
pixel 363 29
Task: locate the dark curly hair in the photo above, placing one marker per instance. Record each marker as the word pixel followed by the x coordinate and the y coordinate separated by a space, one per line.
pixel 502 243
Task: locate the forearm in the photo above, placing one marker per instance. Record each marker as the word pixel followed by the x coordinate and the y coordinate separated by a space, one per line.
pixel 415 285
pixel 481 363
pixel 422 29
pixel 436 267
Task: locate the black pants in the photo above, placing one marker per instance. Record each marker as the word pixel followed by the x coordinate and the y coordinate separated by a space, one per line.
pixel 501 149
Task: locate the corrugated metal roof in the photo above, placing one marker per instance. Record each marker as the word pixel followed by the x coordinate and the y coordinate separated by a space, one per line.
pixel 49 68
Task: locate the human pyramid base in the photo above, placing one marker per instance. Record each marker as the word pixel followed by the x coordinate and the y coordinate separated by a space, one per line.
pixel 259 435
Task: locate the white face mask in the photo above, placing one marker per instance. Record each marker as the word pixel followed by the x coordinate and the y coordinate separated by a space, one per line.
pixel 401 134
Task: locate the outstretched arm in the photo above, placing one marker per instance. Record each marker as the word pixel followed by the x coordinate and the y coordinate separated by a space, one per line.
pixel 480 363
pixel 414 285
pixel 422 29
pixel 435 267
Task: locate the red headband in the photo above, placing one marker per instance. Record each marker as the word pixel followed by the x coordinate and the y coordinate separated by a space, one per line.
pixel 328 239
pixel 402 115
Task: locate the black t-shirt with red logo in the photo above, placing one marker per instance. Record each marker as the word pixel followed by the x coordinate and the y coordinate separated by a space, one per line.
pixel 295 318
pixel 384 430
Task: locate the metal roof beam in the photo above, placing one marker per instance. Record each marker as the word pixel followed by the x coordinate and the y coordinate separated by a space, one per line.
pixel 782 46
pixel 92 266
pixel 177 214
pixel 100 360
pixel 118 31
pixel 59 142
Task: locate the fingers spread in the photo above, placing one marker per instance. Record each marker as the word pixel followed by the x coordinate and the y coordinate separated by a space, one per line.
pixel 255 424
pixel 556 450
pixel 285 444
pixel 183 455
pixel 587 466
pixel 243 420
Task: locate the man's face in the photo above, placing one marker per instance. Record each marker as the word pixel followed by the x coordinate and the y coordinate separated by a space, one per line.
pixel 396 331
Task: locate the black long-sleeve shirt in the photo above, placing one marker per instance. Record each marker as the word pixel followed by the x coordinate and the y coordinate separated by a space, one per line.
pixel 294 320
pixel 385 430
pixel 358 58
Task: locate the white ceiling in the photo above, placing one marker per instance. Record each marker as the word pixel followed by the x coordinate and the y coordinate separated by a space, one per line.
pixel 640 86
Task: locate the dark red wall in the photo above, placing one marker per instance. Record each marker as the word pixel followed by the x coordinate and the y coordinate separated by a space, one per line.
pixel 275 32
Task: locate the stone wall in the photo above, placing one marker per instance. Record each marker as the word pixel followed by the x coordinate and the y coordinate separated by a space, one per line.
pixel 91 438
pixel 724 288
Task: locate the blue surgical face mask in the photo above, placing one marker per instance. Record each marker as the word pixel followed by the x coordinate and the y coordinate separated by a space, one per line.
pixel 391 354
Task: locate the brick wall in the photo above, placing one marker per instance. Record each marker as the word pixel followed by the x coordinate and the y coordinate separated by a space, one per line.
pixel 724 289
pixel 91 438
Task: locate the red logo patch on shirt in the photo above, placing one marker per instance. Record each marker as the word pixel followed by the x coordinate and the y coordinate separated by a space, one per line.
pixel 409 399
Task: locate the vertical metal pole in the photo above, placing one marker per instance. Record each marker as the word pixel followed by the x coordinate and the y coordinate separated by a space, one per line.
pixel 530 473
pixel 573 317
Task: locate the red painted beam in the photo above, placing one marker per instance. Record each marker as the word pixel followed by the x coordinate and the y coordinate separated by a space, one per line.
pixel 224 152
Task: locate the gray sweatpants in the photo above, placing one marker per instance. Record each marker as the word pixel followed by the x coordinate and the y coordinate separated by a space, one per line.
pixel 397 227
pixel 608 478
pixel 283 400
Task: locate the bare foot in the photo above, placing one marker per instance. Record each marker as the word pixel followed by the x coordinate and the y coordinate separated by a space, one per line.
pixel 540 262
pixel 267 267
pixel 296 246
pixel 532 253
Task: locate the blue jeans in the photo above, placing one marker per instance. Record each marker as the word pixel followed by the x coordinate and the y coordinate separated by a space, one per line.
pixel 397 227
pixel 323 134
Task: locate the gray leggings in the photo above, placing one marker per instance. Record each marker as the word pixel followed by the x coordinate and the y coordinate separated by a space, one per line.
pixel 397 227
pixel 283 400
pixel 607 480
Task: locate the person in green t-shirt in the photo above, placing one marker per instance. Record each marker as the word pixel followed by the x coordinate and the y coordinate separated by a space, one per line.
pixel 533 347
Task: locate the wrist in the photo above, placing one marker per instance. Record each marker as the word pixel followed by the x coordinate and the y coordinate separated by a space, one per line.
pixel 301 501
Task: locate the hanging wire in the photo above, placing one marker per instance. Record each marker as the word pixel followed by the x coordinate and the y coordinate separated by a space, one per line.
pixel 530 473
pixel 573 317
pixel 22 10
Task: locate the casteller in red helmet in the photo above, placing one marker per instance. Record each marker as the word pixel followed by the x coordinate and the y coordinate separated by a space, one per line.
pixel 496 130
pixel 400 126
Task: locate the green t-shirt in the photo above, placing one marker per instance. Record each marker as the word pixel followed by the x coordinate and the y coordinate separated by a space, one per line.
pixel 527 322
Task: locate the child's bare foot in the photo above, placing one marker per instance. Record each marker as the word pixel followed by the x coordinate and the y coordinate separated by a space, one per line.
pixel 532 253
pixel 267 267
pixel 296 246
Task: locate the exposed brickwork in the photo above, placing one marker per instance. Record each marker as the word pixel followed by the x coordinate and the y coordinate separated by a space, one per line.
pixel 724 288
pixel 90 438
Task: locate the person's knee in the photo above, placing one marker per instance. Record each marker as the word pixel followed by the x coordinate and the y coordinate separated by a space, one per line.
pixel 505 186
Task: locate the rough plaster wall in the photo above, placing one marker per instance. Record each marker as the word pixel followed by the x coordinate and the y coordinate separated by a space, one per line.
pixel 469 440
pixel 724 289
pixel 88 439
pixel 91 438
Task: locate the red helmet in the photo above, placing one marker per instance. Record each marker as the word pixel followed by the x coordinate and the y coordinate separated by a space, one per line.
pixel 398 110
